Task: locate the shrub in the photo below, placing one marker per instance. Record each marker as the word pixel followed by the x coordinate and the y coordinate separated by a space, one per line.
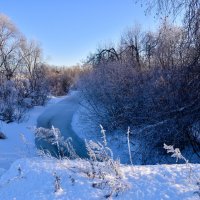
pixel 11 108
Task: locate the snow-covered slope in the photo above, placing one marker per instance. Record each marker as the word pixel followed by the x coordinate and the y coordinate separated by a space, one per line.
pixel 36 181
pixel 20 137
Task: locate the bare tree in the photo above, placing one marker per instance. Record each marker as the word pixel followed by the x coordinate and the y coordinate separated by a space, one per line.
pixel 149 43
pixel 22 75
pixel 10 58
pixel 31 55
pixel 189 11
pixel 131 46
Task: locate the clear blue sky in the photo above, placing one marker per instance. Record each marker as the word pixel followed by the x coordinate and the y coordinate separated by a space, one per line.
pixel 69 30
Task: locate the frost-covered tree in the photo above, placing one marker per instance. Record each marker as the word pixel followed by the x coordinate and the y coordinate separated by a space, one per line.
pixel 10 58
pixel 22 75
pixel 159 97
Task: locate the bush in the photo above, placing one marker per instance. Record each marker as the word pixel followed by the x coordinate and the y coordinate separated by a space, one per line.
pixel 150 82
pixel 11 108
pixel 61 80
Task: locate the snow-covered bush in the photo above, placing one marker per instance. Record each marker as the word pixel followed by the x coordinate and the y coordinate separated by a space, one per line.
pixel 176 153
pixel 16 98
pixel 11 106
pixel 149 82
pixel 108 91
pixel 58 146
pixel 104 169
pixel 148 101
pixel 22 75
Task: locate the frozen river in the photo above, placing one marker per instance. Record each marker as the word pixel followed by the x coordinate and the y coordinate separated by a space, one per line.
pixel 60 116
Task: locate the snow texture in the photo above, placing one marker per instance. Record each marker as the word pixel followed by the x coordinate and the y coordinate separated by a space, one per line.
pixel 36 181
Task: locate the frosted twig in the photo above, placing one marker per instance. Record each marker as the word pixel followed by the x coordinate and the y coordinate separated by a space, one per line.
pixel 129 148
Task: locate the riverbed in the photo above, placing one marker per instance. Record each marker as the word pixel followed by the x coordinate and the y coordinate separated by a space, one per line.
pixel 60 116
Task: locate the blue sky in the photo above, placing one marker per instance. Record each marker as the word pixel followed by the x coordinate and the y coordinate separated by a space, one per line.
pixel 69 30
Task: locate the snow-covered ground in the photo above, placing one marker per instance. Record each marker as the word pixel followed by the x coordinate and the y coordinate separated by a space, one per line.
pixel 83 125
pixel 20 137
pixel 37 181
pixel 24 175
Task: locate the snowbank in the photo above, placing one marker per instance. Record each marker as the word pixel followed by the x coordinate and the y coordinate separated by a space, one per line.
pixel 20 137
pixel 84 126
pixel 36 181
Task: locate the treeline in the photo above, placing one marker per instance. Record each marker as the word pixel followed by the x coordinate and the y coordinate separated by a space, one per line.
pixel 149 81
pixel 25 80
pixel 62 79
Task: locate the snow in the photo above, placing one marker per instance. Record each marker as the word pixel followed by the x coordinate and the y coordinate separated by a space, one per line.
pixel 144 182
pixel 25 175
pixel 60 116
pixel 83 126
pixel 14 147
